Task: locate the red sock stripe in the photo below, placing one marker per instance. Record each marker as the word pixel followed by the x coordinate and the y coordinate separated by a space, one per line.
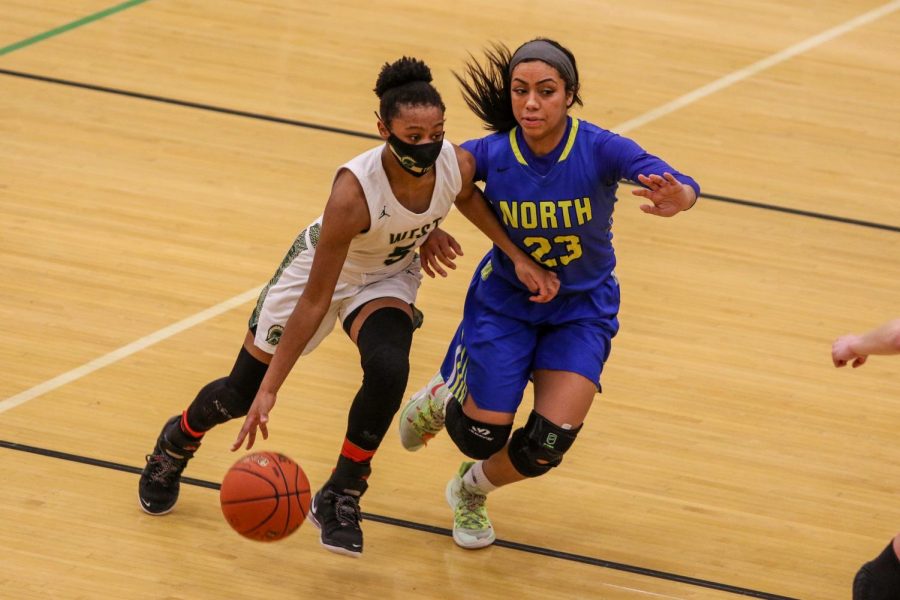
pixel 187 428
pixel 355 453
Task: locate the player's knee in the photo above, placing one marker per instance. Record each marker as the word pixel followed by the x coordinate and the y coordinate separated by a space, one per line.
pixel 217 403
pixel 229 397
pixel 386 365
pixel 234 403
pixel 384 342
pixel 385 375
pixel 475 439
pixel 539 446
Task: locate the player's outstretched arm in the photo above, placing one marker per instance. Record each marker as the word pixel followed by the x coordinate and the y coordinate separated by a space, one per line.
pixel 667 195
pixel 346 214
pixel 884 339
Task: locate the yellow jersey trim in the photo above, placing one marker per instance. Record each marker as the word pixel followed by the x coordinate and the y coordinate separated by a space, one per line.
pixel 571 141
pixel 515 146
pixel 514 143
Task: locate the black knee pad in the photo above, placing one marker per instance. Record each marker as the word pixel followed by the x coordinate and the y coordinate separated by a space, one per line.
pixel 474 439
pixel 539 446
pixel 229 397
pixel 384 341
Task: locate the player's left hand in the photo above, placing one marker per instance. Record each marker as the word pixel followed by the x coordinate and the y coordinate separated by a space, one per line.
pixel 542 283
pixel 668 195
pixel 257 417
pixel 439 247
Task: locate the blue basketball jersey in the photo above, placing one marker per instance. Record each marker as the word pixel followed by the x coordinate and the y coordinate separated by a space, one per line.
pixel 558 208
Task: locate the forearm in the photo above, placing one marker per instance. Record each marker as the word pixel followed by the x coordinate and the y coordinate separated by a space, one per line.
pixel 881 340
pixel 646 164
pixel 299 329
pixel 477 211
pixel 636 162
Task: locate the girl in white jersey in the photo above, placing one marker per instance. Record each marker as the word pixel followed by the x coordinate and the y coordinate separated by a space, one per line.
pixel 357 262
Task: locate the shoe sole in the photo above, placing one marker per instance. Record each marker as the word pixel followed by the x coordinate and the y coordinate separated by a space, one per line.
pixel 336 549
pixel 448 494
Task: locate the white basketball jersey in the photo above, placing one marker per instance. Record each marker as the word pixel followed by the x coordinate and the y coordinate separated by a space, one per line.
pixel 389 246
pixel 378 261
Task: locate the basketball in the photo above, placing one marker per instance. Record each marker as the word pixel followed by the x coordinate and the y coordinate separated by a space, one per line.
pixel 265 496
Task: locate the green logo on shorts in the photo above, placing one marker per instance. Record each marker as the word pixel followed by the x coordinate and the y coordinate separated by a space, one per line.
pixel 486 271
pixel 273 336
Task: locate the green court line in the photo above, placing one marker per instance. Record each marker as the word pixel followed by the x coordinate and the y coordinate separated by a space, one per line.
pixel 69 26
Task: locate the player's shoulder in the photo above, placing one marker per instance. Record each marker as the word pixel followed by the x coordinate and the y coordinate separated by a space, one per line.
pixel 595 133
pixel 346 188
pixel 365 163
pixel 466 161
pixel 481 144
pixel 347 208
pixel 603 141
pixel 485 152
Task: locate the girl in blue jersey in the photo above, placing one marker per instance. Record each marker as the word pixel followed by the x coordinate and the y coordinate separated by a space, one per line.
pixel 551 179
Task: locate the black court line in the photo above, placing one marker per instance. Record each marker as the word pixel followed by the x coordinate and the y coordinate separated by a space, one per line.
pixel 799 212
pixel 188 104
pixel 790 211
pixel 372 136
pixel 558 554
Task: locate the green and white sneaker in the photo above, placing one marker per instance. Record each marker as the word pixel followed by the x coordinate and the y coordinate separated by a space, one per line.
pixel 423 416
pixel 471 525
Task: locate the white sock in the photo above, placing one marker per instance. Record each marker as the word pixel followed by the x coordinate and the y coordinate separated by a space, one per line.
pixel 476 481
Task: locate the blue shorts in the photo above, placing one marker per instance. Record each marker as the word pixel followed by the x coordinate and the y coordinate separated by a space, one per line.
pixel 504 338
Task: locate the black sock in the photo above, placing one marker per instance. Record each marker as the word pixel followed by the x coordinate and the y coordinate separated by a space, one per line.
pixel 353 468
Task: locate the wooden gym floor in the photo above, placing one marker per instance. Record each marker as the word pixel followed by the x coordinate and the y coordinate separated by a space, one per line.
pixel 157 158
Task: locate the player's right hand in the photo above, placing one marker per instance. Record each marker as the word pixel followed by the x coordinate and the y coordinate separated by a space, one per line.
pixel 544 284
pixel 257 418
pixel 439 247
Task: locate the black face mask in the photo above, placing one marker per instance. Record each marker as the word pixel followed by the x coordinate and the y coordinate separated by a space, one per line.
pixel 416 159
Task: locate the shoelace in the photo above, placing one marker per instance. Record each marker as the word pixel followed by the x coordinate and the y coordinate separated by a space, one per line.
pixel 470 510
pixel 429 420
pixel 346 508
pixel 165 468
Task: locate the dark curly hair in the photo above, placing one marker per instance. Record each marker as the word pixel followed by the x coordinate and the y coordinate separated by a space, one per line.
pixel 405 81
pixel 488 94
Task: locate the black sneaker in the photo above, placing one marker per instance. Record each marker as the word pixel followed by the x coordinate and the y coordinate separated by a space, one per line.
pixel 337 516
pixel 161 477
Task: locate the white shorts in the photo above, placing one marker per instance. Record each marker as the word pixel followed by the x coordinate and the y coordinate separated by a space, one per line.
pixel 277 300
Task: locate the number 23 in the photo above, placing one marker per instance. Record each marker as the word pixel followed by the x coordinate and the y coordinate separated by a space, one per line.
pixel 541 246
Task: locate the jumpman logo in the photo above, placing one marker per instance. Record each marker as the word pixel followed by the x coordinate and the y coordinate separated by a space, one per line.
pixel 384 213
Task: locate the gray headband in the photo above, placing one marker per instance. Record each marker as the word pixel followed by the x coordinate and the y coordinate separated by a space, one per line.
pixel 548 53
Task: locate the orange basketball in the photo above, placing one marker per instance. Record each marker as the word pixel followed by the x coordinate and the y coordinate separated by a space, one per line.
pixel 265 496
